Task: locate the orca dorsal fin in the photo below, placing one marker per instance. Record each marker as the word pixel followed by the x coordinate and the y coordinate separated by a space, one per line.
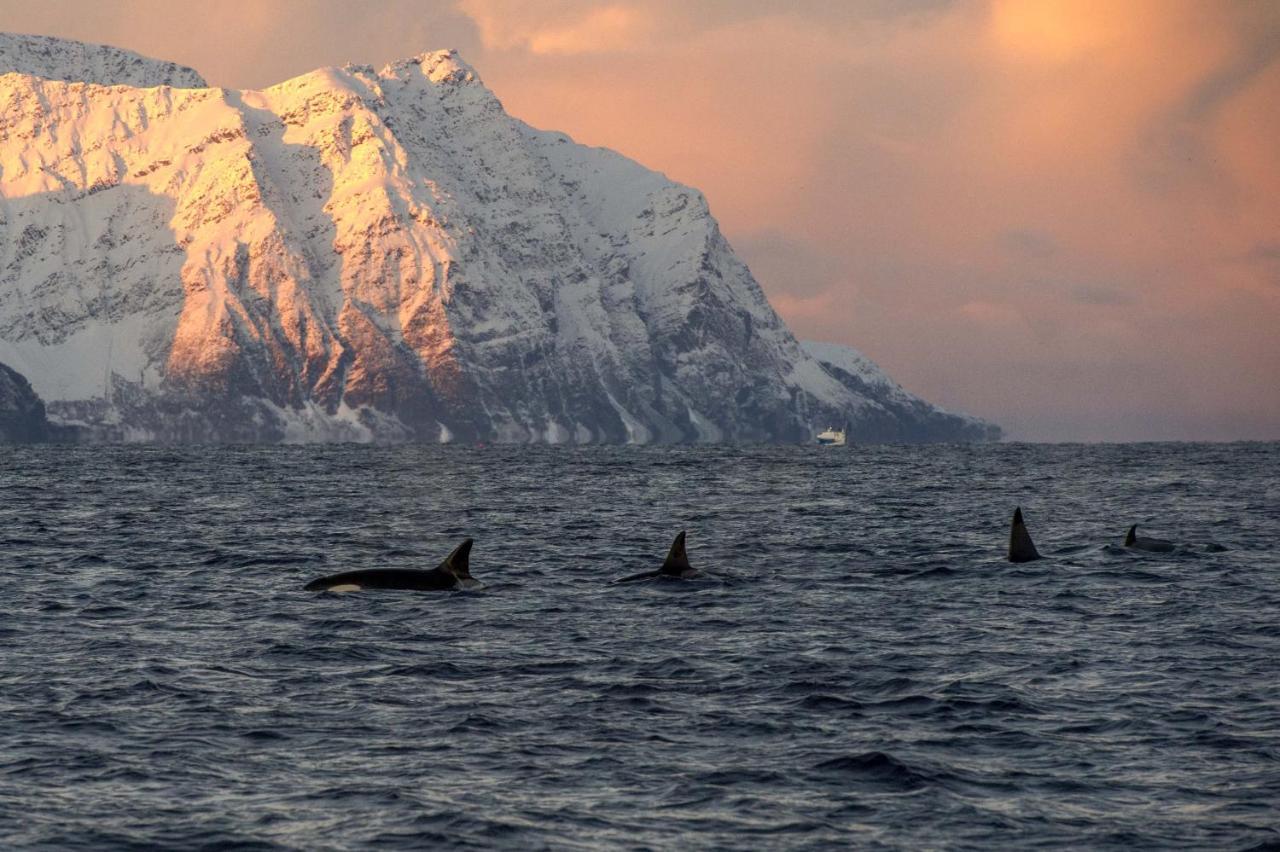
pixel 1021 548
pixel 1131 536
pixel 459 561
pixel 677 561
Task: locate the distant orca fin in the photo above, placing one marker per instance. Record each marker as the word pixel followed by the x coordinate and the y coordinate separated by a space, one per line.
pixel 1021 548
pixel 1131 537
pixel 459 562
pixel 677 560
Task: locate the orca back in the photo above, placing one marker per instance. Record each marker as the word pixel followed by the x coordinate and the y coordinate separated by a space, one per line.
pixel 675 565
pixel 385 578
pixel 1152 545
pixel 453 572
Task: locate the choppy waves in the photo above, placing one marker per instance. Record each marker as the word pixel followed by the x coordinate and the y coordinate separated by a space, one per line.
pixel 861 667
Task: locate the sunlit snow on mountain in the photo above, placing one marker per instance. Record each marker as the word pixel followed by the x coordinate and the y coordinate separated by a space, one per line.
pixel 361 254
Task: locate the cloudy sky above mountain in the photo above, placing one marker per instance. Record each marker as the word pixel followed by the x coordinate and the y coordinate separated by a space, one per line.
pixel 1063 216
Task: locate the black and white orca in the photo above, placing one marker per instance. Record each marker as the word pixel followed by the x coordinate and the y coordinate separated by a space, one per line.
pixel 451 574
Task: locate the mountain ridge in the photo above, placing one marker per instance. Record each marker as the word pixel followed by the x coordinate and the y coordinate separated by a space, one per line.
pixel 84 62
pixel 382 255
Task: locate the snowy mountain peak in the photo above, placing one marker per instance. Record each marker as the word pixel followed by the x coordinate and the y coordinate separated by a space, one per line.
pixel 445 66
pixel 76 61
pixel 438 66
pixel 385 256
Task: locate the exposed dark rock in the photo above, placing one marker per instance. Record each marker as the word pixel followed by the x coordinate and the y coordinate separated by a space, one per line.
pixel 22 414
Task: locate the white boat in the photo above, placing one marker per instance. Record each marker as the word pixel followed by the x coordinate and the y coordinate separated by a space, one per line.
pixel 833 437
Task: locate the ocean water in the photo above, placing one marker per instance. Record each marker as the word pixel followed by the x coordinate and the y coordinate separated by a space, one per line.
pixel 859 668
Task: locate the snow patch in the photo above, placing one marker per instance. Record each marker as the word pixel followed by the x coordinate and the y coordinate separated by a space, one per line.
pixel 555 433
pixel 636 431
pixel 311 424
pixel 80 367
pixel 708 432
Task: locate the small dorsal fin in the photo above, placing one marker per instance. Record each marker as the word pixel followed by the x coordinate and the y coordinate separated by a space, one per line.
pixel 677 560
pixel 1021 548
pixel 1131 536
pixel 459 562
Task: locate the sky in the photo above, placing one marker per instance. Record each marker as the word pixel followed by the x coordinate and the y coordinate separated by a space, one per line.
pixel 1061 216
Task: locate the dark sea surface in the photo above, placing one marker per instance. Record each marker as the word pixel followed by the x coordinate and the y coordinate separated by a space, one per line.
pixel 860 668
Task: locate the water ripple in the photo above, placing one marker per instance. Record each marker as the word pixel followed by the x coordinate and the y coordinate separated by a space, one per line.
pixel 859 668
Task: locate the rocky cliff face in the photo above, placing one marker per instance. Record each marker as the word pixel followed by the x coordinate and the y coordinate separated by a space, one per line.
pixel 22 414
pixel 362 254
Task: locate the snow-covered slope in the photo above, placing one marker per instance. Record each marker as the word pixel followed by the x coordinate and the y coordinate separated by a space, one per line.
pixel 357 254
pixel 904 416
pixel 76 61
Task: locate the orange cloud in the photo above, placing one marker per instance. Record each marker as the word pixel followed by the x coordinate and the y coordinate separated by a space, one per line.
pixel 1055 30
pixel 560 27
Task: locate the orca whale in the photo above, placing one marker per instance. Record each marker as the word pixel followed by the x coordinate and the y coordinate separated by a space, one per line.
pixel 1151 545
pixel 453 573
pixel 676 565
pixel 1021 548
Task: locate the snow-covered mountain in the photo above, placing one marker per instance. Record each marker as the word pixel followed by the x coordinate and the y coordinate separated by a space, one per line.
pixel 361 254
pixel 78 62
pixel 901 415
